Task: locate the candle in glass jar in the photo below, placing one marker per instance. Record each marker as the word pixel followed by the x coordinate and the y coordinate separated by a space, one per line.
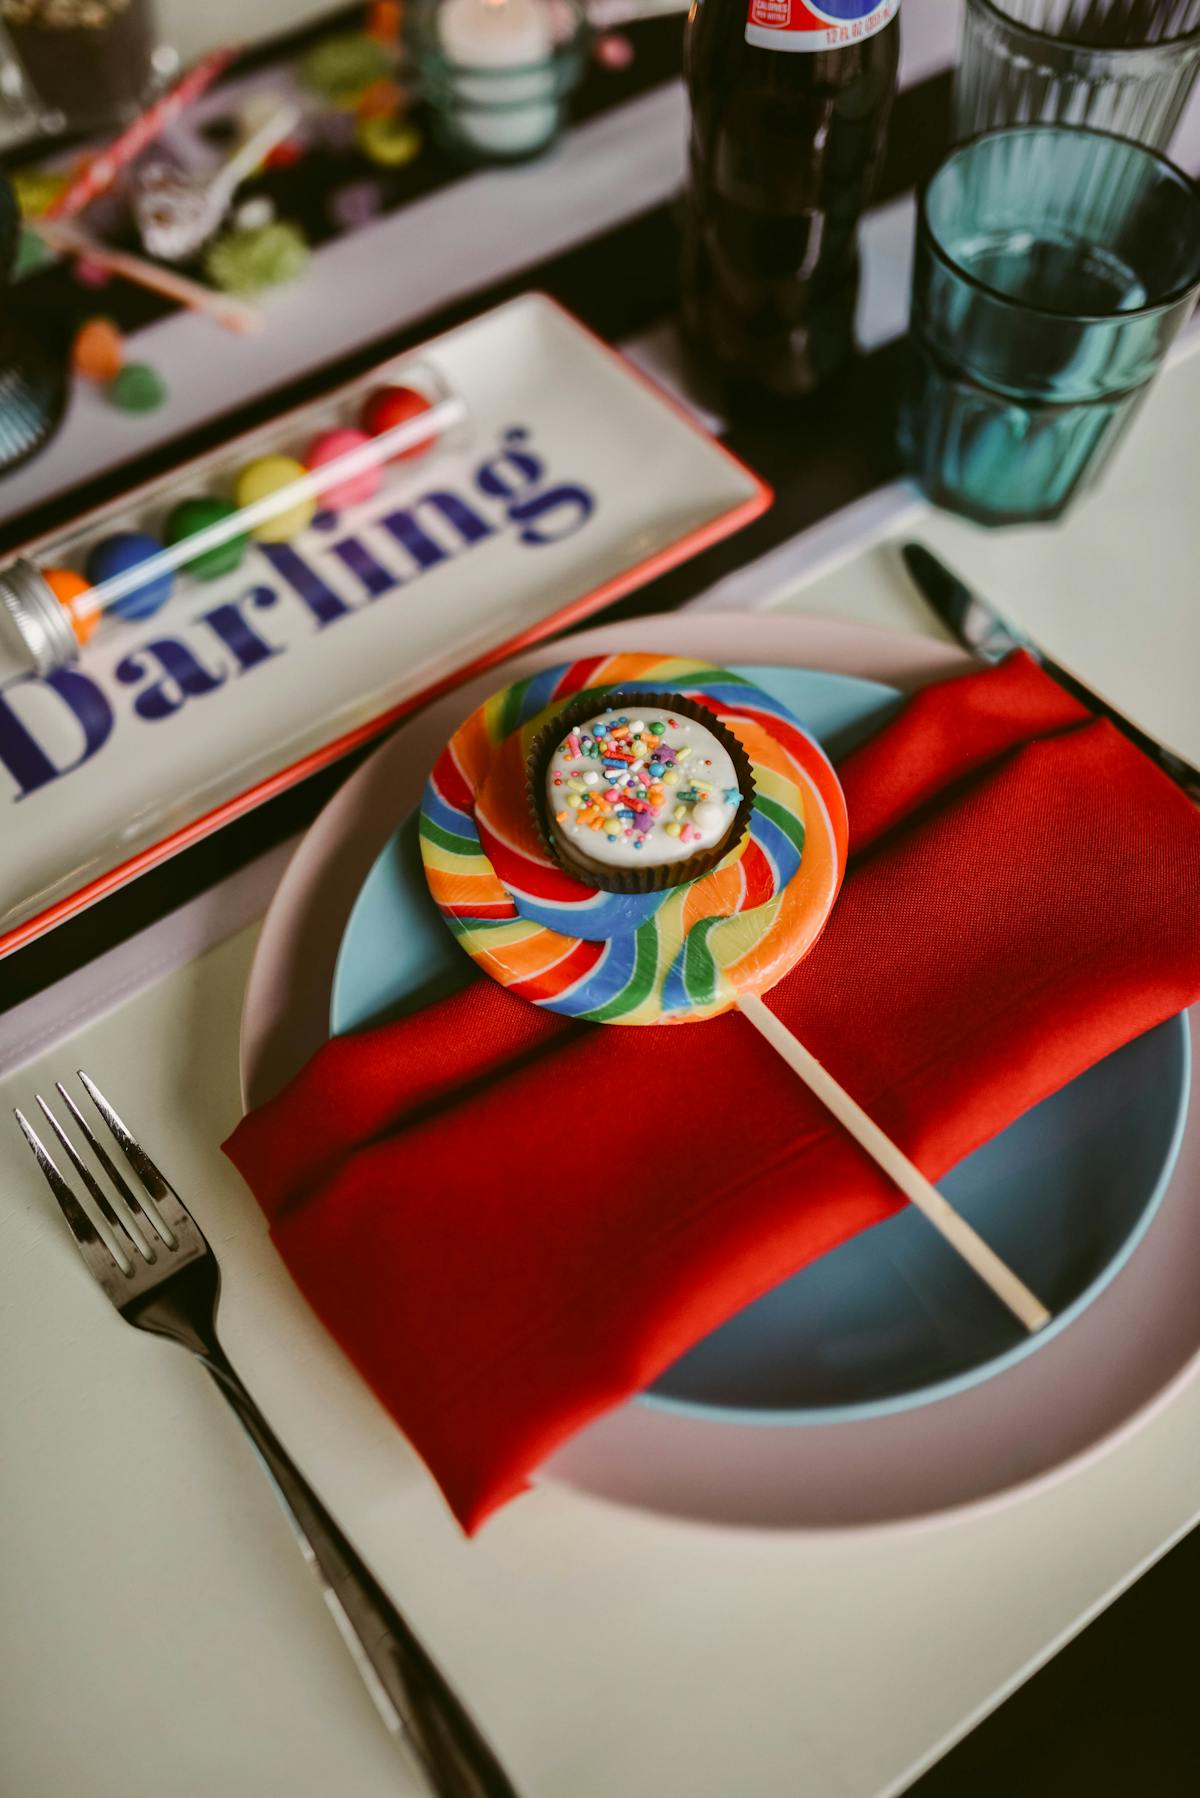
pixel 495 112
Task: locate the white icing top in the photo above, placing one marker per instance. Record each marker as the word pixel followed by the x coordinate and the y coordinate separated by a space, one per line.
pixel 642 786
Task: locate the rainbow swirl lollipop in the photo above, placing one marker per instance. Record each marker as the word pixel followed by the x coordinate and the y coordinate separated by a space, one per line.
pixel 632 958
pixel 683 953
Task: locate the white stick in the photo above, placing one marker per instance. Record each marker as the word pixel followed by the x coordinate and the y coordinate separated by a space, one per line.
pixel 246 158
pixel 69 240
pixel 409 434
pixel 849 1113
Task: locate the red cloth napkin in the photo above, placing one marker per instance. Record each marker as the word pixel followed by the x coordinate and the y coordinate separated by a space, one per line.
pixel 505 1252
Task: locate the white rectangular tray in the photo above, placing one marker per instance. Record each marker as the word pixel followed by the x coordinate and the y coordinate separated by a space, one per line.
pixel 578 480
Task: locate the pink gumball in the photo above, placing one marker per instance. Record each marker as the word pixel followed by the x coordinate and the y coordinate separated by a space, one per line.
pixel 357 488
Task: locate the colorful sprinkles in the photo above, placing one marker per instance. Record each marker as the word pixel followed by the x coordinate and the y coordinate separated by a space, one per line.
pixel 622 777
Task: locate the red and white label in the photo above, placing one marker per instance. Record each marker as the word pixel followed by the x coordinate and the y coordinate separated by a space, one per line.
pixel 816 24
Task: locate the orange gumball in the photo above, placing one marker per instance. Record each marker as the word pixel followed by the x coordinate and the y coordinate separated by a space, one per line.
pixel 67 587
pixel 98 353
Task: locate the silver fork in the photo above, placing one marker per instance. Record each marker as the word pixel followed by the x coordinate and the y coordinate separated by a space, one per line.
pixel 161 1275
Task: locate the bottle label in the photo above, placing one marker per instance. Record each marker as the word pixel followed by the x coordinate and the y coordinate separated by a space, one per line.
pixel 816 24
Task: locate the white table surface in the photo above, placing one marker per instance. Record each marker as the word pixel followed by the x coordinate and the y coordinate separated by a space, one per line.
pixel 160 1637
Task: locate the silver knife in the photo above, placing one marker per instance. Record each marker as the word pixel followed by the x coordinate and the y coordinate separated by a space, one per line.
pixel 981 629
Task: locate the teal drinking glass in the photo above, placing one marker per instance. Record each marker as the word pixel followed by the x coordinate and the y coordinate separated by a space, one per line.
pixel 1054 266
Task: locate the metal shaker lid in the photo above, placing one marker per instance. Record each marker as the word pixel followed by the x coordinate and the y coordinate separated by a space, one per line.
pixel 35 629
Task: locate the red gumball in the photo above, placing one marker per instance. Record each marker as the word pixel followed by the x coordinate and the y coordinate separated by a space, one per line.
pixel 388 407
pixel 284 155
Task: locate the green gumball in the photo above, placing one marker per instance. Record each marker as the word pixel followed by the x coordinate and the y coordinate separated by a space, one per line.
pixel 193 515
pixel 137 388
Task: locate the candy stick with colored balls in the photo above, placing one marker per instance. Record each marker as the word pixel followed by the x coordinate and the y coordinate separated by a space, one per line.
pixel 658 954
pixel 264 477
pixel 350 490
pixel 192 516
pixel 68 589
pixel 390 406
pixel 128 557
pixel 291 497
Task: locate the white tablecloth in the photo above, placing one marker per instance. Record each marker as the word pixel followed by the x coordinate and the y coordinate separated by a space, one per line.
pixel 160 1638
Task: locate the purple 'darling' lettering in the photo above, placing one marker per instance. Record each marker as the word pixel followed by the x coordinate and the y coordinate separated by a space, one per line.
pixel 358 559
pixel 528 512
pixel 465 519
pixel 183 678
pixel 22 754
pixel 425 552
pixel 233 631
pixel 412 536
pixel 510 475
pixel 492 476
pixel 325 605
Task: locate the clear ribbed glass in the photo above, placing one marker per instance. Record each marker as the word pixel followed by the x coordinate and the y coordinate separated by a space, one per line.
pixel 1054 266
pixel 1126 66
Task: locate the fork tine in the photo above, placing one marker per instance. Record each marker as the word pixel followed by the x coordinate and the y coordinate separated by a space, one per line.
pixel 96 1253
pixel 155 1182
pixel 149 1212
pixel 109 1211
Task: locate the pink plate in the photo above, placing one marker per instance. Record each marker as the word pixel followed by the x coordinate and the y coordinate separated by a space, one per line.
pixel 1020 1430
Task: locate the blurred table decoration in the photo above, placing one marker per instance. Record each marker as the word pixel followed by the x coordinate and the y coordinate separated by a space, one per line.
pixel 498 73
pixel 1126 66
pixel 100 169
pixel 177 213
pixel 33 377
pixel 68 239
pixel 87 63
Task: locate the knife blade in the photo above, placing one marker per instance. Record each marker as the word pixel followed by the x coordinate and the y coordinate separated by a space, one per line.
pixel 980 628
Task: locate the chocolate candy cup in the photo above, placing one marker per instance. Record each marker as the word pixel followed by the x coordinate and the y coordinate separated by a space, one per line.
pixel 652 877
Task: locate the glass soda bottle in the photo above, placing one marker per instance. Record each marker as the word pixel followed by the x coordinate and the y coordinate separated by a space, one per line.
pixel 790 102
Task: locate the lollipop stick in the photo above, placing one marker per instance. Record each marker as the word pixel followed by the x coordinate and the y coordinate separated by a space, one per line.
pixel 957 1232
pixel 68 240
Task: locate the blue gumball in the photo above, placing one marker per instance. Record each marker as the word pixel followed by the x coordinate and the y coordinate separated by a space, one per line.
pixel 117 555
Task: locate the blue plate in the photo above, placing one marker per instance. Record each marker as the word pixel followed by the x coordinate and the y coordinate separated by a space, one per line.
pixel 892 1318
